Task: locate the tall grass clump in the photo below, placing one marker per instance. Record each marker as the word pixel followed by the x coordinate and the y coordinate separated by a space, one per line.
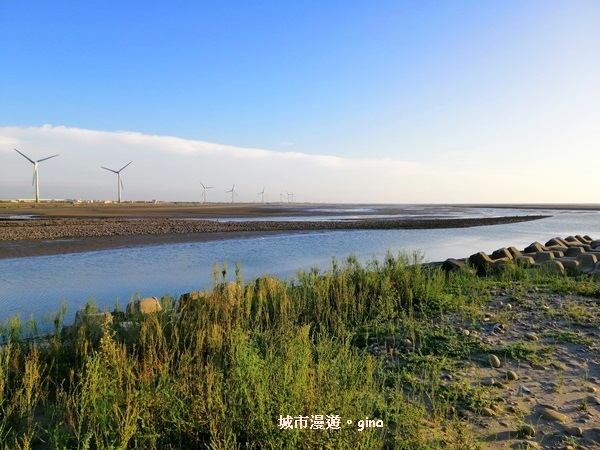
pixel 268 364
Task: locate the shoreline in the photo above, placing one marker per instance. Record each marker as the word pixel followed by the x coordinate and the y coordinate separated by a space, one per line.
pixel 41 237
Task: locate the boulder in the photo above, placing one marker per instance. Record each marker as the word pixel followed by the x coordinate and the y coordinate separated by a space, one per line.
pixel 571 265
pixel 525 261
pixel 92 319
pixel 501 253
pixel 585 239
pixel 189 300
pixel 553 266
pixel 573 240
pixel 534 248
pixel 543 256
pixel 588 261
pixel 452 265
pixel 514 252
pixel 481 262
pixel 146 305
pixel 556 242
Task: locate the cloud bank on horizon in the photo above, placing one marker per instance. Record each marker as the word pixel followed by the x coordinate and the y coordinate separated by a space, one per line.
pixel 169 168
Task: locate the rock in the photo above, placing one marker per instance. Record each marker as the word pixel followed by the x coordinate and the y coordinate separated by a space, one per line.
pixel 541 257
pixel 550 414
pixel 527 430
pixel 571 265
pixel 592 400
pixel 514 252
pixel 574 251
pixel 511 375
pixel 146 305
pixel 587 261
pixel 488 412
pixel 524 390
pixel 407 343
pixel 534 248
pixel 556 242
pixel 574 431
pixel 481 262
pixel 488 381
pixel 93 319
pixel 453 265
pixel 189 300
pixel 495 361
pixel 553 267
pixel 591 389
pixel 502 253
pixel 525 261
pixel 531 336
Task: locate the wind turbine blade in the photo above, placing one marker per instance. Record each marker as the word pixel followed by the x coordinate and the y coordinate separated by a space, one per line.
pixel 35 169
pixel 110 170
pixel 44 159
pixel 121 181
pixel 24 156
pixel 125 165
pixel 203 185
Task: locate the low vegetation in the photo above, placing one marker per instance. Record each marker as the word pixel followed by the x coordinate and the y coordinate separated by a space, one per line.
pixel 359 356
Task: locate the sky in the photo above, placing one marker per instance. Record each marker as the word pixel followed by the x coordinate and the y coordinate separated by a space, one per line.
pixel 336 101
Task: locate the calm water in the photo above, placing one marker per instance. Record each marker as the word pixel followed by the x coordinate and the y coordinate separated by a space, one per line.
pixel 37 286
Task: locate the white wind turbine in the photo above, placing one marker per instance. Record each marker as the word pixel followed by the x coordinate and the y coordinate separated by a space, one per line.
pixel 232 190
pixel 263 194
pixel 35 182
pixel 119 181
pixel 204 190
pixel 290 195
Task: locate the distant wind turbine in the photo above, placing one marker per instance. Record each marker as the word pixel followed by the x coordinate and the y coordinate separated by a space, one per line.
pixel 204 190
pixel 290 195
pixel 263 194
pixel 119 181
pixel 35 182
pixel 232 190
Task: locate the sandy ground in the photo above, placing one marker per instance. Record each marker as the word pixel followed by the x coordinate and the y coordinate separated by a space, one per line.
pixel 548 377
pixel 64 228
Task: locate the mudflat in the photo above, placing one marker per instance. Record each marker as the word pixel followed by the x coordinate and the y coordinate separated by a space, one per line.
pixel 54 228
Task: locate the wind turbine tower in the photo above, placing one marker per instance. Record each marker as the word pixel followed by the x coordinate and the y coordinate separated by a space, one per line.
pixel 119 181
pixel 232 190
pixel 204 190
pixel 35 182
pixel 262 193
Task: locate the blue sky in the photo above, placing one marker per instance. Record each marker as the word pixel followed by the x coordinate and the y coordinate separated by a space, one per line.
pixel 386 101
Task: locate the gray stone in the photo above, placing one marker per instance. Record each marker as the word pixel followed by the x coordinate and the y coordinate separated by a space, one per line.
pixel 94 319
pixel 543 256
pixel 501 253
pixel 534 248
pixel 511 375
pixel 481 262
pixel 527 430
pixel 553 415
pixel 146 305
pixel 574 431
pixel 574 251
pixel 495 361
pixel 453 265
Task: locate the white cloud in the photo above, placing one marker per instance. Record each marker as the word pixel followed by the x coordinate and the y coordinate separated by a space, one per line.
pixel 170 168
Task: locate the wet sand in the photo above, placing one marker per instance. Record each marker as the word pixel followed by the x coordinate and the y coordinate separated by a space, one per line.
pixel 64 228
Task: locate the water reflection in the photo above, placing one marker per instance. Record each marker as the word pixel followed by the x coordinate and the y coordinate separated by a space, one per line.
pixel 36 286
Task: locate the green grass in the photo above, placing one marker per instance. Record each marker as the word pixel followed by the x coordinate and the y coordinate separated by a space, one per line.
pixel 224 371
